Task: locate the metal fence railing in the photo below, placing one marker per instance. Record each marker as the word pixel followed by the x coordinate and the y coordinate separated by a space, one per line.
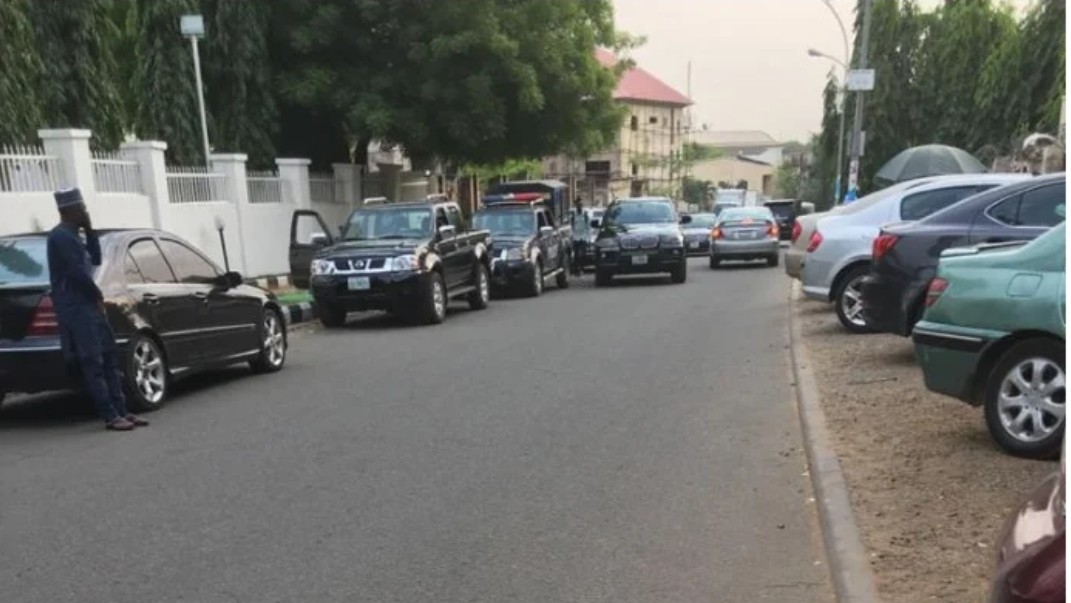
pixel 266 187
pixel 115 173
pixel 194 184
pixel 323 189
pixel 27 169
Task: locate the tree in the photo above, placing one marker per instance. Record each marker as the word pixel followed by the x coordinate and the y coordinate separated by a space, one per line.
pixel 238 83
pixel 20 71
pixel 80 86
pixel 788 180
pixel 166 96
pixel 695 191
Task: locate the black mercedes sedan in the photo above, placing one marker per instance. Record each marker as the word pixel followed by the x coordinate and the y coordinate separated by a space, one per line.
pixel 174 312
pixel 905 256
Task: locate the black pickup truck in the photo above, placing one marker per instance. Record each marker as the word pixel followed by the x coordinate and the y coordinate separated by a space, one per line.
pixel 408 259
pixel 527 246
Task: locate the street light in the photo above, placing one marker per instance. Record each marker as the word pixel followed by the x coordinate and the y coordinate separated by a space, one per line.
pixel 843 109
pixel 193 27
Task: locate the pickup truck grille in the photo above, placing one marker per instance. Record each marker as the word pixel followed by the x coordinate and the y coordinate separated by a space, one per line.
pixel 358 264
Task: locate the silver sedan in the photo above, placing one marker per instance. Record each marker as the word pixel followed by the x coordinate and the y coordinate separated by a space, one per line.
pixel 745 233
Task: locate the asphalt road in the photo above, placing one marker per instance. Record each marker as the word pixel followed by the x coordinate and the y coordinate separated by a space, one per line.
pixel 637 443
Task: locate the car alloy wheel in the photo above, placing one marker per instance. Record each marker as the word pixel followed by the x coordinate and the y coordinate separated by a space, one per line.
pixel 438 299
pixel 146 378
pixel 536 288
pixel 848 301
pixel 480 297
pixel 1031 399
pixel 273 344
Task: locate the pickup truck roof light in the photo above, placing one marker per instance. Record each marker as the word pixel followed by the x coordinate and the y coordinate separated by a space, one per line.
pixel 529 198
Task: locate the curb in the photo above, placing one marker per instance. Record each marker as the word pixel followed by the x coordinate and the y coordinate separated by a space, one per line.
pixel 271 283
pixel 849 567
pixel 295 314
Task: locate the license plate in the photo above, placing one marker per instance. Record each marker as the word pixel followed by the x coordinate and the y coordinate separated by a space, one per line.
pixel 639 260
pixel 694 245
pixel 359 283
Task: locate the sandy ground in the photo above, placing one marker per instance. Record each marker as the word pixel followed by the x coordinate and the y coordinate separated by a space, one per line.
pixel 929 489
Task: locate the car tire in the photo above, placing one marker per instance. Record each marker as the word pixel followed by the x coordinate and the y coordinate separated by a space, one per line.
pixel 679 274
pixel 534 288
pixel 773 260
pixel 273 343
pixel 714 263
pixel 432 309
pixel 603 278
pixel 145 375
pixel 481 296
pixel 1034 364
pixel 563 277
pixel 848 294
pixel 331 316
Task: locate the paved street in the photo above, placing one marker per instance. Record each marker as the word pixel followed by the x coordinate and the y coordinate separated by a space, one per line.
pixel 637 443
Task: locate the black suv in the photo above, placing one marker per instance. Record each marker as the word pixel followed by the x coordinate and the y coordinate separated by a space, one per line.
pixel 640 236
pixel 408 259
pixel 527 246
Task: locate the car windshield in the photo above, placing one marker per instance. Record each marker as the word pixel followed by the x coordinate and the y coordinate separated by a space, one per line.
pixel 640 212
pixel 702 221
pixel 503 223
pixel 743 214
pixel 23 261
pixel 395 223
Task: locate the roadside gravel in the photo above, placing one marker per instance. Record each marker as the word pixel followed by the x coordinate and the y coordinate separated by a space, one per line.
pixel 929 489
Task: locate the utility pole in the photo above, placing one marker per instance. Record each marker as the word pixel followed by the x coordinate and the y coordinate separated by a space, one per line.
pixel 857 127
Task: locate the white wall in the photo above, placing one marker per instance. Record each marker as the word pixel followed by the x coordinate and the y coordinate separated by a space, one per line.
pixel 34 212
pixel 266 234
pixel 334 214
pixel 196 222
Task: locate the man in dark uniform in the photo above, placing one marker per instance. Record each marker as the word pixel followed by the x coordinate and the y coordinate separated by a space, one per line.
pixel 86 337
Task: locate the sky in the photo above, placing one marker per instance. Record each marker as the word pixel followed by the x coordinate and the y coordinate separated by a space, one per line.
pixel 750 68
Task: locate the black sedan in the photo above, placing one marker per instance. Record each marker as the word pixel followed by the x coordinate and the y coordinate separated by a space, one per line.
pixel 905 256
pixel 174 312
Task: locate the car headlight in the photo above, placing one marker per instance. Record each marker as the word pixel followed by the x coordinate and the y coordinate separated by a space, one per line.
pixel 673 240
pixel 405 263
pixel 514 253
pixel 319 267
pixel 607 244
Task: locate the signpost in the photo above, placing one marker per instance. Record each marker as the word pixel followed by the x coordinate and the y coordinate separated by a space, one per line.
pixel 860 80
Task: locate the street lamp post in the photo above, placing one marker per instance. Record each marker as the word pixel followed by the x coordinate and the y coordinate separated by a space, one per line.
pixel 193 27
pixel 857 126
pixel 843 110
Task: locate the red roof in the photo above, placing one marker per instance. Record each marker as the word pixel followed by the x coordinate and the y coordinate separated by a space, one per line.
pixel 639 85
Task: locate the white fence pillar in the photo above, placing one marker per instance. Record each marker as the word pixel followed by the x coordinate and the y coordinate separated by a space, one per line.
pixel 347 182
pixel 152 166
pixel 232 166
pixel 71 146
pixel 294 173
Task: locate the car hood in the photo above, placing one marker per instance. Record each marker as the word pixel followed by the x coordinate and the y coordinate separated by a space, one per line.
pixel 372 248
pixel 659 228
pixel 507 242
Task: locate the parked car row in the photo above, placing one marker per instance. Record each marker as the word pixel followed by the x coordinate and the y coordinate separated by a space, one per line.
pixel 949 261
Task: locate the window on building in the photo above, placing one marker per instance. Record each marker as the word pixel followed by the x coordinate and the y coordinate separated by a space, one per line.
pixel 634 123
pixel 652 120
pixel 635 169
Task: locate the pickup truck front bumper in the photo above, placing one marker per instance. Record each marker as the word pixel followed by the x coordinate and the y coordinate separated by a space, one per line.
pixel 508 273
pixel 385 290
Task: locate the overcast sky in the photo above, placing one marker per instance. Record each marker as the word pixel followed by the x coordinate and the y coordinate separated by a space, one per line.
pixel 750 69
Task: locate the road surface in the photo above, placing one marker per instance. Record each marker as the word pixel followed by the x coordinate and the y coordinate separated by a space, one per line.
pixel 631 444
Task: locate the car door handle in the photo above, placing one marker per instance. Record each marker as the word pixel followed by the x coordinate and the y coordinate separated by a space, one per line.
pixel 150 299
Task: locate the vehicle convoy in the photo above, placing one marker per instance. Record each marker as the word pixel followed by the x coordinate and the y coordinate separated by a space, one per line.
pixel 527 246
pixel 745 233
pixel 906 255
pixel 173 311
pixel 993 335
pixel 640 235
pixel 408 259
pixel 697 233
pixel 839 252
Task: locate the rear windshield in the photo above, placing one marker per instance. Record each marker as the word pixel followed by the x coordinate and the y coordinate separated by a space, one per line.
pixel 740 214
pixel 23 261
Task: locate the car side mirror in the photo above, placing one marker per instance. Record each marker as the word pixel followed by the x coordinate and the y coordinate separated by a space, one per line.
pixel 229 280
pixel 447 231
pixel 686 219
pixel 595 223
pixel 546 230
pixel 318 239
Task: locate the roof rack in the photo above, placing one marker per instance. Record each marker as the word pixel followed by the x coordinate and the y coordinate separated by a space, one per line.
pixel 374 201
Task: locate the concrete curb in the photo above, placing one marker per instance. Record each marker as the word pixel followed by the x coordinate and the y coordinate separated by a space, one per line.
pixel 853 582
pixel 296 314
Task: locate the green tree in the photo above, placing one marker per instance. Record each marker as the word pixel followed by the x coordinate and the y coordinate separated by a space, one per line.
pixel 166 96
pixel 80 86
pixel 238 84
pixel 695 191
pixel 789 181
pixel 20 71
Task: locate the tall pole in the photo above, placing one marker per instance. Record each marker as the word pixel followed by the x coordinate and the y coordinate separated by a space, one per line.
pixel 843 101
pixel 857 127
pixel 200 95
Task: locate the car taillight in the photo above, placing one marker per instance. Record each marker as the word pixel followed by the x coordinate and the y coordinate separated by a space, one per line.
pixel 882 245
pixel 797 230
pixel 816 240
pixel 44 320
pixel 771 230
pixel 936 288
pixel 715 233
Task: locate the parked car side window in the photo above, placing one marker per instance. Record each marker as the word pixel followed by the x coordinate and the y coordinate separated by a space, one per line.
pixel 1007 211
pixel 920 205
pixel 150 262
pixel 1040 207
pixel 543 219
pixel 440 218
pixel 454 215
pixel 131 272
pixel 190 267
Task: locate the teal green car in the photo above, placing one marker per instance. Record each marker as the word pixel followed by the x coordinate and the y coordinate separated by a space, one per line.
pixel 993 336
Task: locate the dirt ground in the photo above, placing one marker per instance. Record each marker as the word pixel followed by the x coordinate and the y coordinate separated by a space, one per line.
pixel 929 489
